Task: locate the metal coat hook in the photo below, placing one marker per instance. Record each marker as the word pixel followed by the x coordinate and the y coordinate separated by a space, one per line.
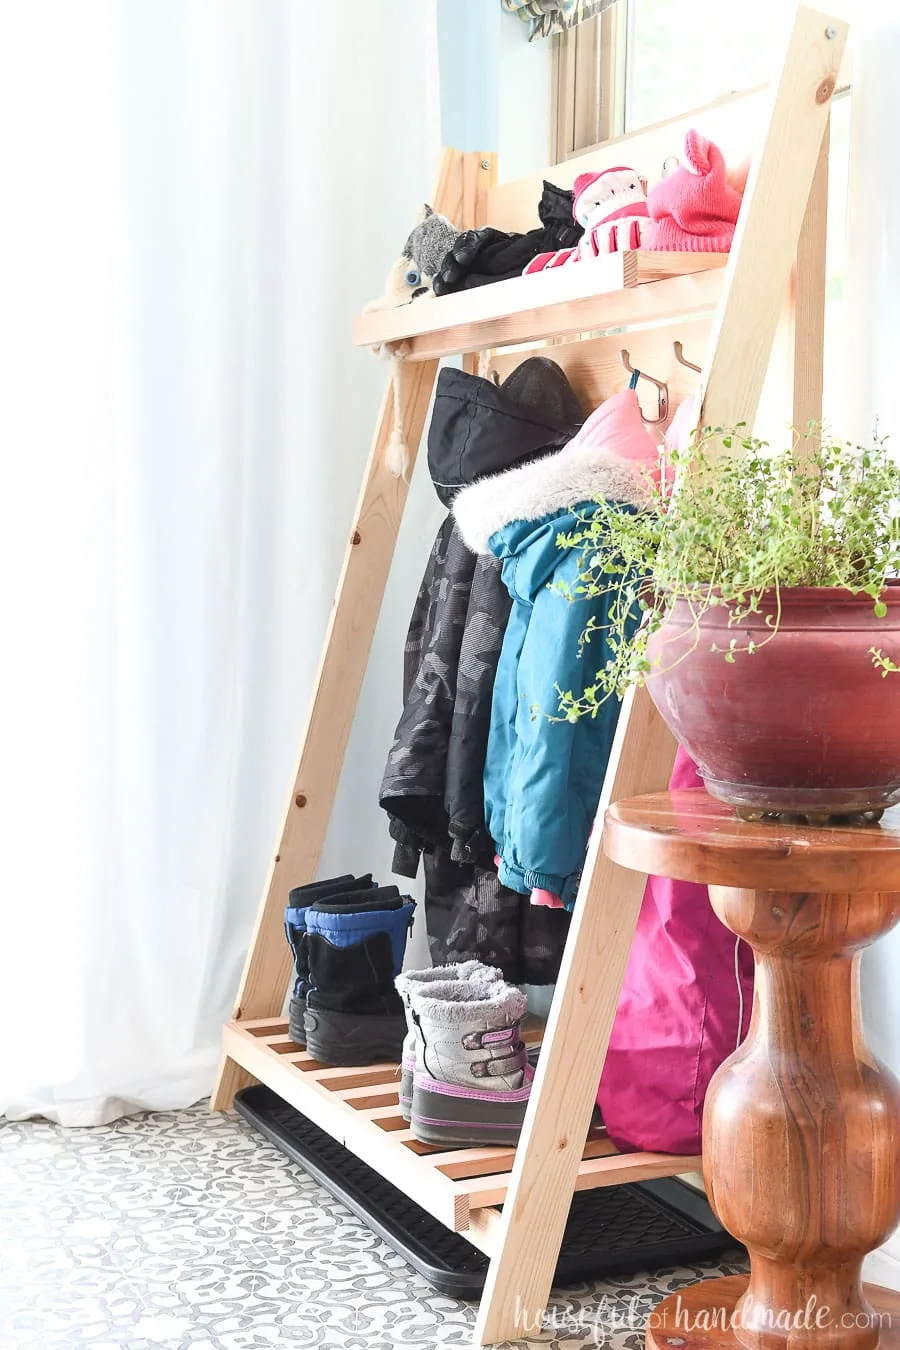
pixel 682 359
pixel 662 390
pixel 484 368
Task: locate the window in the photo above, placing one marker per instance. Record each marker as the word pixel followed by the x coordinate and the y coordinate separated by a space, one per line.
pixel 680 56
pixel 645 61
pixel 587 81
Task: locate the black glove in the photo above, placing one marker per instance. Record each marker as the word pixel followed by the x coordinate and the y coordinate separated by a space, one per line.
pixel 481 256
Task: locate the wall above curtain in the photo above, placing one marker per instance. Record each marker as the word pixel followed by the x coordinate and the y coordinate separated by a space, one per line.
pixel 554 16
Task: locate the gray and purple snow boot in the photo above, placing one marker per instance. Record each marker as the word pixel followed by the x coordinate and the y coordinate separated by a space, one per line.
pixel 432 979
pixel 472 1079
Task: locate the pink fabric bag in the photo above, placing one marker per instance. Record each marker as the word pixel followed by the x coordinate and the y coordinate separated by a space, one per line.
pixel 684 1007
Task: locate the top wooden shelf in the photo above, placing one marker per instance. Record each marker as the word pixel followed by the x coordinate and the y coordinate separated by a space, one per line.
pixel 618 291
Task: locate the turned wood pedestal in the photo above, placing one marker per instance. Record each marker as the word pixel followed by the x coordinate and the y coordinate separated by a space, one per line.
pixel 801 1129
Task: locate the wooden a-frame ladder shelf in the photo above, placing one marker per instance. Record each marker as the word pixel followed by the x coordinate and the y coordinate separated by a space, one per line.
pixel 769 294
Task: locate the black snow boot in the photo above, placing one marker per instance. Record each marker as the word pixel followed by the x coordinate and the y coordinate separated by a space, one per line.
pixel 356 945
pixel 299 901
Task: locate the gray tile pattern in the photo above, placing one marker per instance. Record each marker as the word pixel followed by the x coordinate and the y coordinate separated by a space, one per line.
pixel 186 1230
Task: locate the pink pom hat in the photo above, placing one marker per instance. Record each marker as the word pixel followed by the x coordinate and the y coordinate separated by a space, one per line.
pixel 694 209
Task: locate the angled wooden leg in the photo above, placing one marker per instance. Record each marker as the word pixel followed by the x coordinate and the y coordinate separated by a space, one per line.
pixel 460 194
pixel 370 549
pixel 574 1047
pixel 809 303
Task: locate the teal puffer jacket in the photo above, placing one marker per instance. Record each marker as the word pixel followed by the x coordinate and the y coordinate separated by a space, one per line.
pixel 543 777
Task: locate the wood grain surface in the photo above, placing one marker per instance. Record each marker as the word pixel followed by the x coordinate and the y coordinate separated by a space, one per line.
pixel 690 836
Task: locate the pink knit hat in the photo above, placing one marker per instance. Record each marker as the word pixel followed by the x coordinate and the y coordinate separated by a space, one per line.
pixel 694 209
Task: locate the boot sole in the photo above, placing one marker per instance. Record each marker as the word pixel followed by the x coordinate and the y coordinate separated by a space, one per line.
pixel 296 1024
pixel 438 1118
pixel 348 1039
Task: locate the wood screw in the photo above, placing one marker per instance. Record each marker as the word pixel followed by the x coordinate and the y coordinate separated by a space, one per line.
pixel 300 799
pixel 485 163
pixel 831 33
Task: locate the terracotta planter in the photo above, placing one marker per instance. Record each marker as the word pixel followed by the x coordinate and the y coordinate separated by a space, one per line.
pixel 806 724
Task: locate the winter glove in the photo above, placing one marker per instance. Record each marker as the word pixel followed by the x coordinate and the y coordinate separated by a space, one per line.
pixel 478 257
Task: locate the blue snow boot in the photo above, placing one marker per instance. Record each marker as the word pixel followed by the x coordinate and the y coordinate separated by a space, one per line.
pixel 299 901
pixel 356 945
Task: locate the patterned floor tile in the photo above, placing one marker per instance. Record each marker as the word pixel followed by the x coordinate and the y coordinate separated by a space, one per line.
pixel 186 1231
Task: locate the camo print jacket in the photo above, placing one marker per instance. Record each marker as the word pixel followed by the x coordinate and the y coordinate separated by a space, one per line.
pixel 433 783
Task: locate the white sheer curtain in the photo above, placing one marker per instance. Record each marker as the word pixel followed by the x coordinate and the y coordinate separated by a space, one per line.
pixel 198 196
pixel 872 349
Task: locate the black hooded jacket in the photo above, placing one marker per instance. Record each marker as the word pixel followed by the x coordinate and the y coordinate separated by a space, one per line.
pixel 433 782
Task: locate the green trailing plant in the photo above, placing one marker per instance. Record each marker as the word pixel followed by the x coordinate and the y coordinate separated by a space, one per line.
pixel 740 526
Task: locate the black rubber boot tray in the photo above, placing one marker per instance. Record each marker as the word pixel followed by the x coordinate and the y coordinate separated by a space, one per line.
pixel 612 1230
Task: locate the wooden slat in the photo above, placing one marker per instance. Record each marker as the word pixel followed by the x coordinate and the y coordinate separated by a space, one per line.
pixel 612 292
pixel 809 304
pixel 409 1140
pixel 370 1076
pixel 385 1117
pixel 267 1026
pixel 614 1170
pixel 681 297
pixel 467 309
pixel 378 1094
pixel 476 1162
pixel 306 1063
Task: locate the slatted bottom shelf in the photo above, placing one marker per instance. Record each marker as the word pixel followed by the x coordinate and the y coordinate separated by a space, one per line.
pixel 616 1230
pixel 359 1108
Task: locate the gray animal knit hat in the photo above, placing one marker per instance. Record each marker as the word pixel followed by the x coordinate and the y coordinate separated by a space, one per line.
pixel 430 241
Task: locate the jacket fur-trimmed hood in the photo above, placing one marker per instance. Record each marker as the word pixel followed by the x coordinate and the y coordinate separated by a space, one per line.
pixel 544 487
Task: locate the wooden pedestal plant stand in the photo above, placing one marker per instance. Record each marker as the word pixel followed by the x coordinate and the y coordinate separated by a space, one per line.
pixel 770 286
pixel 801 1124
